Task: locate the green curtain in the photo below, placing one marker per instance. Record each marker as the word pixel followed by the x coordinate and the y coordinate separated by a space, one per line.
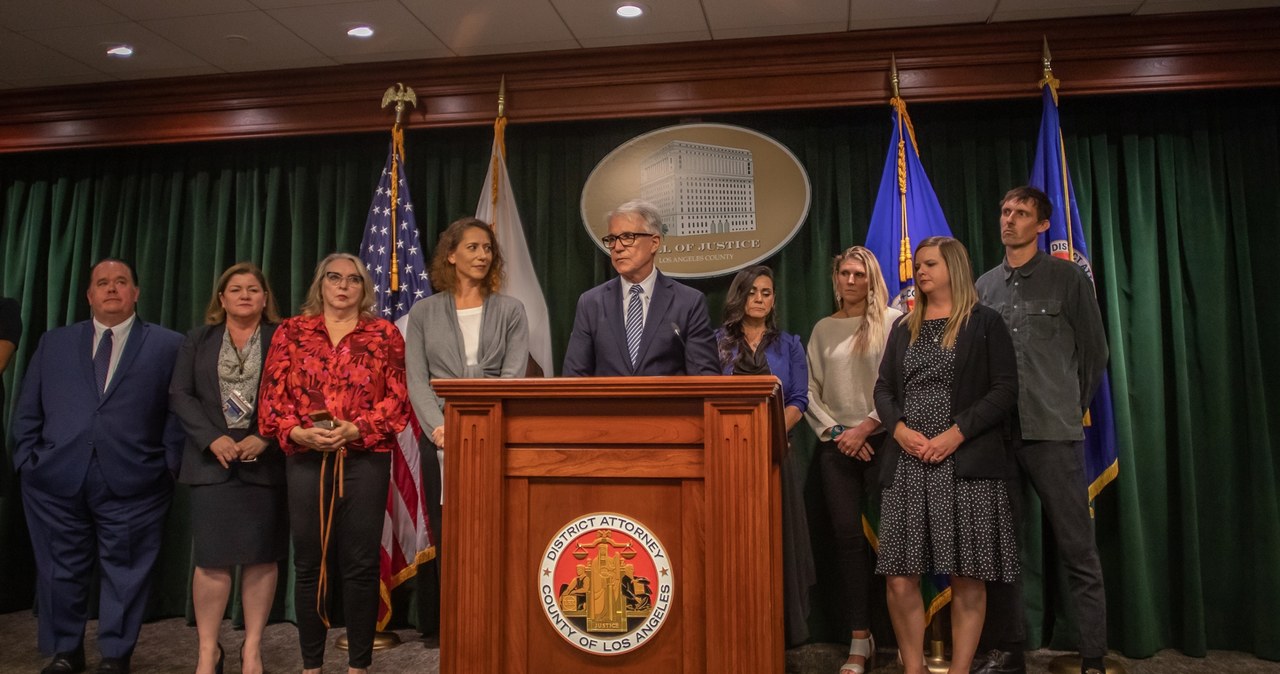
pixel 1178 194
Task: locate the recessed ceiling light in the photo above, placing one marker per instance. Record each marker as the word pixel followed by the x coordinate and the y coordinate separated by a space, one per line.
pixel 361 31
pixel 123 51
pixel 630 10
pixel 236 39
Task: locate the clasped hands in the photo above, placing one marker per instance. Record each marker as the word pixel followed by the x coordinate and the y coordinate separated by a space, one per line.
pixel 226 450
pixel 325 439
pixel 928 450
pixel 853 442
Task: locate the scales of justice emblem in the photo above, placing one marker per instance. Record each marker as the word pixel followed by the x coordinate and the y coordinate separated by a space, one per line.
pixel 605 583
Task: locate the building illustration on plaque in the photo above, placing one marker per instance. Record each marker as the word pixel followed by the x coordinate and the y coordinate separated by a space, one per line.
pixel 700 188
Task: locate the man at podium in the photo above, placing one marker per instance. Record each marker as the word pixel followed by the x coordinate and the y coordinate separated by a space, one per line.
pixel 641 323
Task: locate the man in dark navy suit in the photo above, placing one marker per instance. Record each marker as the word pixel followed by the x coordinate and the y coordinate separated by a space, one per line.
pixel 97 451
pixel 641 323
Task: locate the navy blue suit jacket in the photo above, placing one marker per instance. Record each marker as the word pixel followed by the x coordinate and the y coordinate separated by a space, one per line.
pixel 61 420
pixel 677 335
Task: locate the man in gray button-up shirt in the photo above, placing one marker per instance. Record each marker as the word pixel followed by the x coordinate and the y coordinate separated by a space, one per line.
pixel 1052 313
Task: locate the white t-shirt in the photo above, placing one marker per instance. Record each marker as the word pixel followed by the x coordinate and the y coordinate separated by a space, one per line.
pixel 469 322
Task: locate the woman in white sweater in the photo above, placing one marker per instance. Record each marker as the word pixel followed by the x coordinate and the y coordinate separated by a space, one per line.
pixel 844 360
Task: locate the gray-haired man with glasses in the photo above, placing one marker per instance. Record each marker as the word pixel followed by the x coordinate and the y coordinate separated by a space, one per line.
pixel 641 323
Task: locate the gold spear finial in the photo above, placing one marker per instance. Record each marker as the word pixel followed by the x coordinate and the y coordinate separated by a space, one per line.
pixel 893 74
pixel 1046 58
pixel 502 97
pixel 399 94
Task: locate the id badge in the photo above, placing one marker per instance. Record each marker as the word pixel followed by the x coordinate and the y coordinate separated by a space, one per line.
pixel 235 407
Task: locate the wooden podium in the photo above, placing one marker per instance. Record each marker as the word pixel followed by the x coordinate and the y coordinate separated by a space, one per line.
pixel 693 459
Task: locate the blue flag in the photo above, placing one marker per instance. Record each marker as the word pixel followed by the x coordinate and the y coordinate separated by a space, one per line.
pixel 1065 239
pixel 906 211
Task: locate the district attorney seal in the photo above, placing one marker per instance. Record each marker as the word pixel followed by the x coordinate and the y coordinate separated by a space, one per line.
pixel 605 583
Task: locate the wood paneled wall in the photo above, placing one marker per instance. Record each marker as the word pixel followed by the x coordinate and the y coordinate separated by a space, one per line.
pixel 1099 55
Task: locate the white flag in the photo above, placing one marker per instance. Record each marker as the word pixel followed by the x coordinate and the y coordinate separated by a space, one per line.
pixel 498 207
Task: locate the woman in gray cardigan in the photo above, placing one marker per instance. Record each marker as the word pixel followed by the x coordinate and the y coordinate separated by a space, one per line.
pixel 467 329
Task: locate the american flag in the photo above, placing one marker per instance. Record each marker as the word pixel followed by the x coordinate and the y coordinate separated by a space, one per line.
pixel 392 252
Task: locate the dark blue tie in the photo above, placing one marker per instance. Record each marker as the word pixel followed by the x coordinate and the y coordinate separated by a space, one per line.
pixel 635 322
pixel 102 361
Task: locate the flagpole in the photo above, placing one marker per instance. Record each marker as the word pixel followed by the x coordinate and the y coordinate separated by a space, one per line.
pixel 1046 60
pixel 500 137
pixel 1067 664
pixel 904 245
pixel 400 95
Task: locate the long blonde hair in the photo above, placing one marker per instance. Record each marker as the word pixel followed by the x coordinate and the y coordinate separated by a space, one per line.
pixel 963 294
pixel 314 304
pixel 870 335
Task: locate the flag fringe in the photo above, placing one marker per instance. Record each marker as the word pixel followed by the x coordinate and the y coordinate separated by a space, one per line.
pixel 385 588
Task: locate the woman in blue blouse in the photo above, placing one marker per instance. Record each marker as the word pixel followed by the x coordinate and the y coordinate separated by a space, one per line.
pixel 749 342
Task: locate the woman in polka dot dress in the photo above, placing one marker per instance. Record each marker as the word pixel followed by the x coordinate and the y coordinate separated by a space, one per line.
pixel 948 385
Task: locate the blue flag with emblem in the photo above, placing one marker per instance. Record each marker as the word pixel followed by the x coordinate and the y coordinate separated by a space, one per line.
pixel 906 210
pixel 1065 239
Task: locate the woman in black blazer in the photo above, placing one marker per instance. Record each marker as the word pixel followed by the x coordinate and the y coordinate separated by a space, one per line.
pixel 948 385
pixel 238 510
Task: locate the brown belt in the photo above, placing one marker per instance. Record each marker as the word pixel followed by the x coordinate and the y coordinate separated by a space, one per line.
pixel 326 526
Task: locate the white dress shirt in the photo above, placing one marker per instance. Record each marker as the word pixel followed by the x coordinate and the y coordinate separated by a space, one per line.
pixel 648 285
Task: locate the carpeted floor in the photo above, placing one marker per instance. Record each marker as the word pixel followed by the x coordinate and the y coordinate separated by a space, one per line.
pixel 168 647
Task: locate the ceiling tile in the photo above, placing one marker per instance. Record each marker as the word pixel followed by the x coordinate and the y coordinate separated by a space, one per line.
pixel 26 59
pixel 595 24
pixel 874 14
pixel 751 18
pixel 1023 10
pixel 153 55
pixel 278 4
pixel 36 14
pixel 142 10
pixel 1170 6
pixel 240 41
pixel 44 82
pixel 494 26
pixel 398 34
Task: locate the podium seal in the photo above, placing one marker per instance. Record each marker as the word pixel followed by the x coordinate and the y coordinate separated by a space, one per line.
pixel 605 583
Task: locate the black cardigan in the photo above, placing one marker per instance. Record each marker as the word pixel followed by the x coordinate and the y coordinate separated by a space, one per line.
pixel 984 395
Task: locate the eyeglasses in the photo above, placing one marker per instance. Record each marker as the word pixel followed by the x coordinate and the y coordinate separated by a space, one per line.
pixel 336 279
pixel 628 239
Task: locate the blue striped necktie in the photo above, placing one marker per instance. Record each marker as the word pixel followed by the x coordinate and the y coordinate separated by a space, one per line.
pixel 102 361
pixel 635 322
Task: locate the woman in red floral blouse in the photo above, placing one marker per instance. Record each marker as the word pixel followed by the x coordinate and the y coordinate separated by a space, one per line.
pixel 334 396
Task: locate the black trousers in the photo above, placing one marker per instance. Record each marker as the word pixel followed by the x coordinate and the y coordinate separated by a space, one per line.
pixel 1056 470
pixel 355 543
pixel 846 484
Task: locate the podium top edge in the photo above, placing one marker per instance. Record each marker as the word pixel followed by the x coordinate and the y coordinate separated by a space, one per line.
pixel 715 386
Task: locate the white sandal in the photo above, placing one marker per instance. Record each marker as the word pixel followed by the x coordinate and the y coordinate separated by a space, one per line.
pixel 863 647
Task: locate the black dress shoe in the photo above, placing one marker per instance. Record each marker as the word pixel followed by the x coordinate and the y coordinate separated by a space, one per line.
pixel 114 666
pixel 997 661
pixel 70 662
